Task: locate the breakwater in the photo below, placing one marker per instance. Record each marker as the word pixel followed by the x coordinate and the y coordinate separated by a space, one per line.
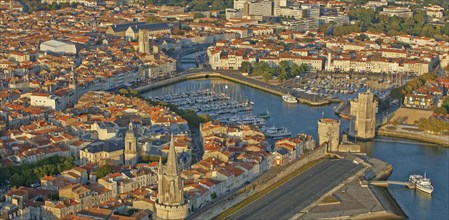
pixel 273 89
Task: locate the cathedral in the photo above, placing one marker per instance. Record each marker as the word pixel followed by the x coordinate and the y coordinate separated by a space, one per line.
pixel 171 203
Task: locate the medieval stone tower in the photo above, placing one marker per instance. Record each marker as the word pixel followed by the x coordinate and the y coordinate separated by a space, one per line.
pixel 130 146
pixel 363 116
pixel 171 203
pixel 329 131
pixel 144 42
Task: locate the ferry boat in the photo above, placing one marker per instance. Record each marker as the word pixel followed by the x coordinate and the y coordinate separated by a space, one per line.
pixel 289 98
pixel 274 132
pixel 424 185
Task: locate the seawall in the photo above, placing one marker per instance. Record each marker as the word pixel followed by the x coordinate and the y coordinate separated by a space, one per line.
pixel 241 80
pixel 422 138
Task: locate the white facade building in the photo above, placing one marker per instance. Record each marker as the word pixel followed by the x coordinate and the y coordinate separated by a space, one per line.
pixel 58 47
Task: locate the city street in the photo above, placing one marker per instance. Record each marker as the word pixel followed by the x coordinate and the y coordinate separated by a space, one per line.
pixel 298 193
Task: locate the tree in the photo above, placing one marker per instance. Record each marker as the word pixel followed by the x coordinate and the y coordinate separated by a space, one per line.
pixel 446 104
pixel 267 76
pixel 246 67
pixel 419 18
pixel 362 37
pixel 153 19
pixel 17 180
pixel 261 68
pixel 30 173
pixel 440 110
pixel 104 170
pixel 324 28
pixel 197 15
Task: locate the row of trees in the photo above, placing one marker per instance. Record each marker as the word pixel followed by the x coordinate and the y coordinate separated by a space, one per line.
pixel 128 92
pixel 285 70
pixel 33 5
pixel 27 174
pixel 194 120
pixel 369 20
pixel 400 92
pixel 197 5
pixel 433 125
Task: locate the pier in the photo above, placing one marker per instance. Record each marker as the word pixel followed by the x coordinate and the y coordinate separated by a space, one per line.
pixel 386 183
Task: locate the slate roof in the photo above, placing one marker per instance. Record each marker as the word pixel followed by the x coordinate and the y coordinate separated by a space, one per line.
pixel 124 27
pixel 106 146
pixel 150 27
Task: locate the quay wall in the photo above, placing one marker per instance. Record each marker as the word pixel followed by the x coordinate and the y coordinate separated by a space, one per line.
pixel 262 182
pixel 416 137
pixel 246 82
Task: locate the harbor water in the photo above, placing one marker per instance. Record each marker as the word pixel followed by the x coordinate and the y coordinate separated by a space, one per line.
pixel 407 157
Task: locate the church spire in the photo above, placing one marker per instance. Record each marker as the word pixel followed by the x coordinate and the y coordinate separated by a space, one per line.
pixel 172 160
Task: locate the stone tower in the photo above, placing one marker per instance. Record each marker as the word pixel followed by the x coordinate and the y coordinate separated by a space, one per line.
pixel 329 131
pixel 74 87
pixel 130 146
pixel 144 44
pixel 363 116
pixel 170 203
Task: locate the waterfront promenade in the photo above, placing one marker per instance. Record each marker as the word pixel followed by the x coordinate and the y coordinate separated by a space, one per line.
pixel 302 97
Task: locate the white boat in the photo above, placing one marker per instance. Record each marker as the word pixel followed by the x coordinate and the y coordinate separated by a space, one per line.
pixel 289 98
pixel 424 185
pixel 273 132
pixel 413 179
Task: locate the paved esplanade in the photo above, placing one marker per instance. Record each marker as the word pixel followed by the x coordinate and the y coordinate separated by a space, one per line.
pixel 290 198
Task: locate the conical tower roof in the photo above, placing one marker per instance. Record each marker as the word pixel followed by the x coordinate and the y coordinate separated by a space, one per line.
pixel 172 160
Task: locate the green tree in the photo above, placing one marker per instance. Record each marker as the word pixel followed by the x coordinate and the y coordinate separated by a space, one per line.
pixel 246 67
pixel 17 180
pixel 362 37
pixel 213 195
pixel 123 92
pixel 153 19
pixel 440 110
pixel 197 15
pixel 267 76
pixel 446 103
pixel 261 68
pixel 324 28
pixel 419 18
pixel 104 171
